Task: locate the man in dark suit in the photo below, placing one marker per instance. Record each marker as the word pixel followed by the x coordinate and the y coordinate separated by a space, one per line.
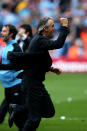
pixel 37 100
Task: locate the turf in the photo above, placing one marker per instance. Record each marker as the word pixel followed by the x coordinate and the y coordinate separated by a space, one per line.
pixel 69 95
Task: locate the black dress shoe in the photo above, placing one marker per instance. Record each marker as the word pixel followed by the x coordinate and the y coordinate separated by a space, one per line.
pixel 12 112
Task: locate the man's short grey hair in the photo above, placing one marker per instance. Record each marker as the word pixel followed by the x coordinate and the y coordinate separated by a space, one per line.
pixel 43 23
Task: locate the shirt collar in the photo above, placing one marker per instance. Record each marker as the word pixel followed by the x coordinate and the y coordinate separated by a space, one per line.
pixel 12 42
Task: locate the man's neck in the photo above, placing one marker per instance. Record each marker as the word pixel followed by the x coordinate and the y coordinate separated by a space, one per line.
pixel 9 40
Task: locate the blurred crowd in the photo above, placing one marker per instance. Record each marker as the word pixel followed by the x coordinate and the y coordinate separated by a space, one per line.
pixel 29 11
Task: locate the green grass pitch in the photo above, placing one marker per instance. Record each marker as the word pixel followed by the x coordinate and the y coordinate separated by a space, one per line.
pixel 69 95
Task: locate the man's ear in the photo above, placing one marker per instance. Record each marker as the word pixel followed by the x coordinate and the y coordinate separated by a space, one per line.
pixel 11 34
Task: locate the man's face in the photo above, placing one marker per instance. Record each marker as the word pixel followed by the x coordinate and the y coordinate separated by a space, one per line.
pixel 21 31
pixel 5 33
pixel 50 30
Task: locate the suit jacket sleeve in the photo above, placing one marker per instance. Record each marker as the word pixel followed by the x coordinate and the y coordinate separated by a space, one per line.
pixel 46 44
pixel 23 59
pixel 10 66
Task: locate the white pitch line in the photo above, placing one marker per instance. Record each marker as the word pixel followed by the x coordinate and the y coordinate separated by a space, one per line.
pixel 68 99
pixel 68 118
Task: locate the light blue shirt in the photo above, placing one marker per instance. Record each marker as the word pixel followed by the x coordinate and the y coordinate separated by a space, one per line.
pixel 8 77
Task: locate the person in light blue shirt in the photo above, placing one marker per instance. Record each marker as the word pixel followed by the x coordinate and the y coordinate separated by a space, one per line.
pixel 10 82
pixel 8 77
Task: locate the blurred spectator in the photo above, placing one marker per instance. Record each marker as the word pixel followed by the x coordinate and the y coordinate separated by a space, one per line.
pixel 76 50
pixel 64 5
pixel 9 17
pixel 83 33
pixel 24 12
pixel 48 8
pixel 83 36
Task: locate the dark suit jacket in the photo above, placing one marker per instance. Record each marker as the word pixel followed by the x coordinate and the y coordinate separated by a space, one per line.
pixel 39 43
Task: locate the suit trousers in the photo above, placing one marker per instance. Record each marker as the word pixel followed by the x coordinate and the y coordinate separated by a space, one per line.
pixel 38 103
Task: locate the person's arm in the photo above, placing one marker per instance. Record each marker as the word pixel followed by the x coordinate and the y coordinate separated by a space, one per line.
pixel 17 57
pixel 10 67
pixel 24 59
pixel 20 57
pixel 46 44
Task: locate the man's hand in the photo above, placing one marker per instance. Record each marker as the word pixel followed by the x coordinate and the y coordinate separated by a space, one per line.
pixel 21 37
pixel 65 22
pixel 57 71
